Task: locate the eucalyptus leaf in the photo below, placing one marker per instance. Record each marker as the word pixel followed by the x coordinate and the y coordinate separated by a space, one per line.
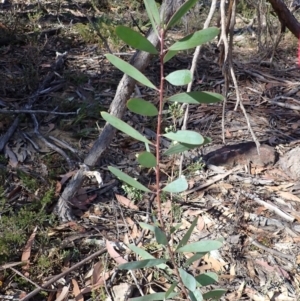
pixel 188 234
pixel 160 236
pixel 135 39
pixel 142 107
pixel 147 159
pixel 130 70
pixel 124 127
pixel 145 263
pixel 206 279
pixel 169 55
pixel 147 226
pixel 214 294
pixel 179 148
pixel 171 289
pixel 145 255
pixel 177 186
pixel 188 280
pixel 179 77
pixel 153 14
pixel 201 246
pixel 185 136
pixel 194 258
pixel 181 12
pixel 127 179
pixel 196 97
pixel 153 297
pixel 195 39
pixel 195 295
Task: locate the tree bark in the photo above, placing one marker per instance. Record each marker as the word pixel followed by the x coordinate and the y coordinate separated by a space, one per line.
pixel 285 16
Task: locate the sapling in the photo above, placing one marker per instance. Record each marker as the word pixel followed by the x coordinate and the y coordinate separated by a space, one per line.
pixel 182 140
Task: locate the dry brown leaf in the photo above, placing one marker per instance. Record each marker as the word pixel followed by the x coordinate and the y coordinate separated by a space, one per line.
pixel 166 207
pixel 114 254
pixel 76 291
pixel 27 251
pixel 67 176
pixel 100 283
pixel 200 223
pixel 288 196
pixel 82 199
pixel 97 272
pixel 63 294
pixel 126 202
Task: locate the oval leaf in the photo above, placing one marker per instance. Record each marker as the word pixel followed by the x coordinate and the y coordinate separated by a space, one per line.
pixel 161 237
pixel 179 148
pixel 195 39
pixel 147 159
pixel 206 279
pixel 124 127
pixel 127 179
pixel 146 263
pixel 196 97
pixel 179 77
pixel 169 55
pixel 214 294
pixel 130 70
pixel 201 246
pixel 177 186
pixel 188 234
pixel 154 297
pixel 188 280
pixel 188 137
pixel 142 107
pixel 196 295
pixel 135 39
pixel 181 12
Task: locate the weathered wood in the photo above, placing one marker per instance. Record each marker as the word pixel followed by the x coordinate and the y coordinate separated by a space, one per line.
pixel 285 16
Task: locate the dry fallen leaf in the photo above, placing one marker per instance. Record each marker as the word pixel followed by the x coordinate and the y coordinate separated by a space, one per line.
pixel 27 251
pixel 126 202
pixel 114 254
pixel 76 291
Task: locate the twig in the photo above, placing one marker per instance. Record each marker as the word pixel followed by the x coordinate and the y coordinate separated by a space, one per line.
pixel 193 68
pixel 56 278
pixel 271 251
pixel 3 111
pixel 212 181
pixel 50 145
pixel 270 207
pixel 9 133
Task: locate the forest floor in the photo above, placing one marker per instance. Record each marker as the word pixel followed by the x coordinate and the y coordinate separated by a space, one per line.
pixel 52 62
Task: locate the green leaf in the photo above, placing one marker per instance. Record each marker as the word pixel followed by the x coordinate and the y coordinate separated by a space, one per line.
pixel 153 14
pixel 145 255
pixel 206 278
pixel 188 280
pixel 147 159
pixel 130 70
pixel 201 246
pixel 171 289
pixel 146 263
pixel 174 229
pixel 194 258
pixel 177 186
pixel 214 294
pixel 196 97
pixel 188 137
pixel 195 295
pixel 188 234
pixel 183 9
pixel 135 39
pixel 127 179
pixel 154 297
pixel 195 39
pixel 124 127
pixel 147 226
pixel 160 236
pixel 169 55
pixel 179 77
pixel 179 148
pixel 142 107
